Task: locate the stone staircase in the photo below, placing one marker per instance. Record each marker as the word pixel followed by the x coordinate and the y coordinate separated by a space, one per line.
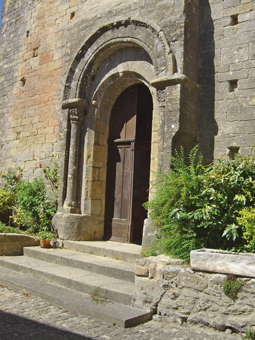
pixel 95 278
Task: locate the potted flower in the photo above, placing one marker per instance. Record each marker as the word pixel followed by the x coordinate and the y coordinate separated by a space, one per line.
pixel 45 237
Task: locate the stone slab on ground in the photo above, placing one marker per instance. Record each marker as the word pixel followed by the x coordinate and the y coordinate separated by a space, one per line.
pixel 24 316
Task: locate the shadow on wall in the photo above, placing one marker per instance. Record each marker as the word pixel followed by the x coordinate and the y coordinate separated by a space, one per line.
pixel 207 126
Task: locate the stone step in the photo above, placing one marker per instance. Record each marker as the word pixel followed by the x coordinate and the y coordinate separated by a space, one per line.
pixel 116 250
pixel 101 265
pixel 81 280
pixel 80 302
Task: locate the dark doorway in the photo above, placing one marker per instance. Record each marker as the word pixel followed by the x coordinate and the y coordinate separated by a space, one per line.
pixel 128 164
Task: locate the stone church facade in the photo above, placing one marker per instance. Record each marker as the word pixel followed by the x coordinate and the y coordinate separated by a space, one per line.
pixel 109 88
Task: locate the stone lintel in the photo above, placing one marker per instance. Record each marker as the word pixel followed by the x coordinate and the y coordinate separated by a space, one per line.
pixel 75 103
pixel 177 78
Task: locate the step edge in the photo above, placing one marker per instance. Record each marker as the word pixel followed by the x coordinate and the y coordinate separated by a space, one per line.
pixel 66 282
pixel 115 254
pixel 129 274
pixel 128 322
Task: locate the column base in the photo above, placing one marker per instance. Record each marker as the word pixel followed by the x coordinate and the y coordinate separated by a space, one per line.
pixel 78 227
pixel 149 233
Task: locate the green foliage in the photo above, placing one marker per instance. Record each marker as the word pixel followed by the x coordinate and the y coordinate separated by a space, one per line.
pixel 232 286
pixel 250 334
pixel 198 207
pixel 11 179
pixel 246 220
pixel 52 175
pixel 149 252
pixel 5 229
pixel 7 200
pixel 33 204
pixel 8 185
pixel 36 207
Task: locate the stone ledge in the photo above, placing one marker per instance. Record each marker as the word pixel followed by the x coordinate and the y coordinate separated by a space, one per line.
pixel 12 244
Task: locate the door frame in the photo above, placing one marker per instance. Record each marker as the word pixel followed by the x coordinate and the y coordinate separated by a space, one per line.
pixel 112 223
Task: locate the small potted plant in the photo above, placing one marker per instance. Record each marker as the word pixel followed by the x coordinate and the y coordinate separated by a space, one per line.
pixel 45 237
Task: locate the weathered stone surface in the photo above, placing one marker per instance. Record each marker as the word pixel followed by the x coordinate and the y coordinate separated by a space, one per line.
pixel 218 261
pixel 76 227
pixel 12 244
pixel 196 297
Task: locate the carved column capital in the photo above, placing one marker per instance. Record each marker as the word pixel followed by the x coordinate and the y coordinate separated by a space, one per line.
pixel 76 115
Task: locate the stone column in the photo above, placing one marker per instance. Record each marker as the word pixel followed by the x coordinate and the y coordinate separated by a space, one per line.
pixel 76 113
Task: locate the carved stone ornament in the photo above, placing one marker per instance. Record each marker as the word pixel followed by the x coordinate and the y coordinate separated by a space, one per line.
pixel 161 95
pixel 76 115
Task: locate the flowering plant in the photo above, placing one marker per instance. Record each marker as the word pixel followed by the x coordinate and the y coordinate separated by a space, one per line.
pixel 45 235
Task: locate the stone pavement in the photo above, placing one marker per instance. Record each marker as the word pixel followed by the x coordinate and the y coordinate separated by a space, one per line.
pixel 25 317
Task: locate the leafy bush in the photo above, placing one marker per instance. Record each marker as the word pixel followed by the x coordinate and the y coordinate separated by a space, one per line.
pixel 246 221
pixel 11 179
pixel 33 204
pixel 198 207
pixel 5 229
pixel 8 184
pixel 36 207
pixel 6 201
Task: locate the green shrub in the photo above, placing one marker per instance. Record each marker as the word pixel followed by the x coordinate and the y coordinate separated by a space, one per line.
pixel 7 200
pixel 232 286
pixel 246 220
pixel 33 204
pixel 36 208
pixel 6 229
pixel 173 203
pixel 198 207
pixel 11 179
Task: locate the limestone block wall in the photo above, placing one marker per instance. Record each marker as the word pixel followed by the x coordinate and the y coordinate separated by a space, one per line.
pixel 39 41
pixel 171 288
pixel 226 53
pixel 32 51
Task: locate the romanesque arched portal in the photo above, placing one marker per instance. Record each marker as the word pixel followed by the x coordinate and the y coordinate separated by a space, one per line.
pixel 121 57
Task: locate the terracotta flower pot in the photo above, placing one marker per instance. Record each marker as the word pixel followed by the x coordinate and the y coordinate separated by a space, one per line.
pixel 45 244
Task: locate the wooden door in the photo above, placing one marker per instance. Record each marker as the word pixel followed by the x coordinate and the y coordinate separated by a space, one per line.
pixel 120 167
pixel 127 167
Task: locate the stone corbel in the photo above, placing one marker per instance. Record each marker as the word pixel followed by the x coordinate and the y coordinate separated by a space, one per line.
pixel 174 79
pixel 76 110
